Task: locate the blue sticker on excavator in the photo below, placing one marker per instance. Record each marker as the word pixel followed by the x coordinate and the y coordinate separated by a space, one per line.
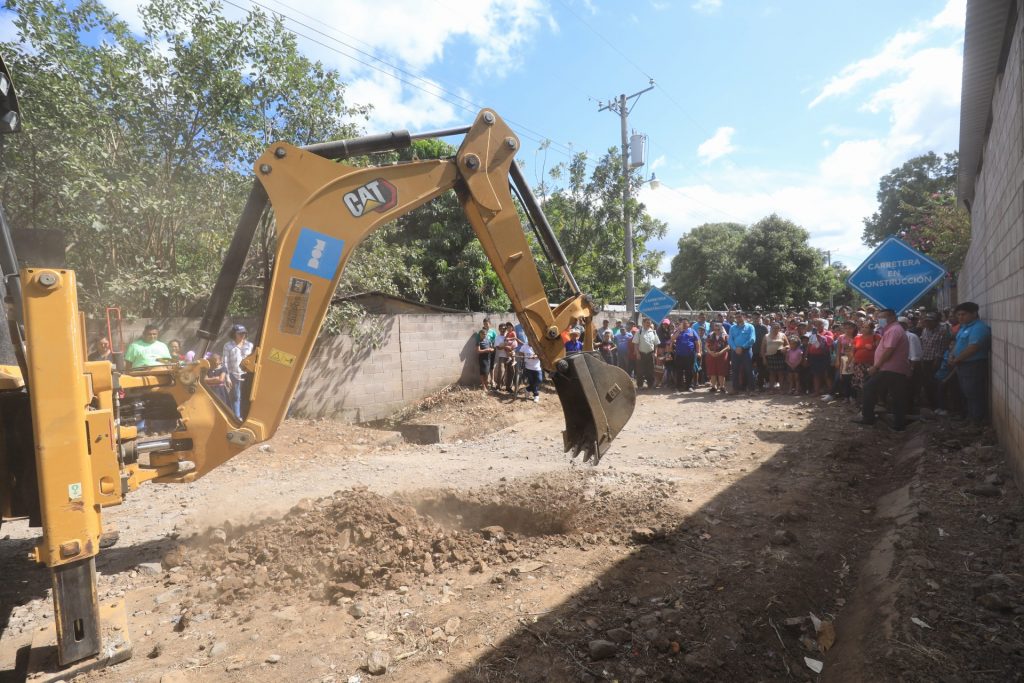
pixel 317 254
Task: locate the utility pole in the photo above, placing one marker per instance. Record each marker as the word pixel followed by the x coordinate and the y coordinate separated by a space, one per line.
pixel 831 302
pixel 619 107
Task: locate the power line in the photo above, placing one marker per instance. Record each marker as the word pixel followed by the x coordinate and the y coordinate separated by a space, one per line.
pixel 609 43
pixel 433 89
pixel 469 105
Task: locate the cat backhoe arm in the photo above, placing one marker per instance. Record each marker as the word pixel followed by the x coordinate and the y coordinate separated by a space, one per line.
pixel 81 452
pixel 324 209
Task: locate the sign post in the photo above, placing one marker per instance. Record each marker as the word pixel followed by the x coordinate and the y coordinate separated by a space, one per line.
pixel 896 275
pixel 656 305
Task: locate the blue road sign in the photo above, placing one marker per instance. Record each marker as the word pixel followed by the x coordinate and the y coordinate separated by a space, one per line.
pixel 656 304
pixel 896 275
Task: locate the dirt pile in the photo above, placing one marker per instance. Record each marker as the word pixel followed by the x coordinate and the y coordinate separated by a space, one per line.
pixel 336 547
pixel 591 504
pixel 355 541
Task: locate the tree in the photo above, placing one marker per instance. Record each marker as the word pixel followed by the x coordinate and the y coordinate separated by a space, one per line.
pixel 139 147
pixel 907 187
pixel 703 270
pixel 837 287
pixel 586 216
pixel 776 265
pixel 767 264
pixel 455 270
pixel 940 228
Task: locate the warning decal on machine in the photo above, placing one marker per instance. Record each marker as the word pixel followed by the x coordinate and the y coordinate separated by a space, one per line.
pixel 282 357
pixel 296 301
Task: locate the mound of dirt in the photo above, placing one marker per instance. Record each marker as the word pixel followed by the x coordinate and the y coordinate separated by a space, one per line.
pixel 467 413
pixel 337 547
pixel 597 503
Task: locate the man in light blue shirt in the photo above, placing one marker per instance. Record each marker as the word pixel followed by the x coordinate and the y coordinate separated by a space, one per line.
pixel 969 357
pixel 622 339
pixel 742 336
pixel 701 323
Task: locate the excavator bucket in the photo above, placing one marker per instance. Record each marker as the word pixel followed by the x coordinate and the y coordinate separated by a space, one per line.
pixel 597 399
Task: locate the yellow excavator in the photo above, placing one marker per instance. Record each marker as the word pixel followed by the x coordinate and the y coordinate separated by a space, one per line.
pixel 69 449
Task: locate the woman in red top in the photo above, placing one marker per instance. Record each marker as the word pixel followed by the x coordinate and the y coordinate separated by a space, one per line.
pixel 864 352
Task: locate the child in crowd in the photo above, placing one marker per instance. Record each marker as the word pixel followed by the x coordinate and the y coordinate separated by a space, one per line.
pixel 574 345
pixel 608 347
pixel 794 362
pixel 217 378
pixel 844 360
pixel 485 354
pixel 509 345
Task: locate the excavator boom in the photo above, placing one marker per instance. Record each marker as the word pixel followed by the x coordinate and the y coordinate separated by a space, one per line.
pixel 82 453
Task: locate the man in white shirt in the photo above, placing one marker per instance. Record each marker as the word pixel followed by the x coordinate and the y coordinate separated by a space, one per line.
pixel 531 366
pixel 235 351
pixel 646 341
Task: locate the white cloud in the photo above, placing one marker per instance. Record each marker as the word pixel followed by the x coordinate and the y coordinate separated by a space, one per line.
pixel 707 6
pixel 860 163
pixel 662 6
pixel 831 213
pixel 891 58
pixel 398 106
pixel 409 34
pixel 952 16
pixel 659 162
pixel 718 145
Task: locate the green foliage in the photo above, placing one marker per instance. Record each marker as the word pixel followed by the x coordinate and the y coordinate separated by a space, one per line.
pixel 940 228
pixel 139 148
pixel 776 264
pixel 903 189
pixel 703 271
pixel 770 263
pixel 586 217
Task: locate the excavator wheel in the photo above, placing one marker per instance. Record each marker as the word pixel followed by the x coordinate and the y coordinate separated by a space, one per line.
pixel 597 400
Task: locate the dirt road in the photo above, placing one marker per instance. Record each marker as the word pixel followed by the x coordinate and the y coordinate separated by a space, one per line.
pixel 698 550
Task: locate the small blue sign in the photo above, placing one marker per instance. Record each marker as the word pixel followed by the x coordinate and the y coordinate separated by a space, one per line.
pixel 656 305
pixel 896 275
pixel 317 254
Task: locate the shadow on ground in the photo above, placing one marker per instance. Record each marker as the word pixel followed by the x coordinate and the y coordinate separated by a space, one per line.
pixel 23 581
pixel 711 597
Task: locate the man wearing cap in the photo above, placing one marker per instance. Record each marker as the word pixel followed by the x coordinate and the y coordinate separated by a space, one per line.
pixel 235 351
pixel 969 357
pixel 890 372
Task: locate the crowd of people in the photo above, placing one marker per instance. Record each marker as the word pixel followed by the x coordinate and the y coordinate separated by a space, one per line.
pixel 861 357
pixel 224 377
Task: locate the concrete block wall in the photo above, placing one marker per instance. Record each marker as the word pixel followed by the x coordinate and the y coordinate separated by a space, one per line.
pixel 993 273
pixel 414 356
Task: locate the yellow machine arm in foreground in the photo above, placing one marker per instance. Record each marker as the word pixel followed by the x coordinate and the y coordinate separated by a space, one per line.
pixel 81 454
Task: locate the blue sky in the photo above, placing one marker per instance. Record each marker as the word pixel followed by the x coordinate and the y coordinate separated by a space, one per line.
pixel 784 106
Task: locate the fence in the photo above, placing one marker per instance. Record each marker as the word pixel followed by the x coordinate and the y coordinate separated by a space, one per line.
pixel 396 361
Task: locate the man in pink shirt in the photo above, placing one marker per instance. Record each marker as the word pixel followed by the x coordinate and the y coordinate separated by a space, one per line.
pixel 890 373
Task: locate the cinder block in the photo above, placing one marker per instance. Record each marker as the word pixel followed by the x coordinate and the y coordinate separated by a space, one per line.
pixel 422 434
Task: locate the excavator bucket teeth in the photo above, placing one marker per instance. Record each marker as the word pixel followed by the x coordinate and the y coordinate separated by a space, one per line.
pixel 597 399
